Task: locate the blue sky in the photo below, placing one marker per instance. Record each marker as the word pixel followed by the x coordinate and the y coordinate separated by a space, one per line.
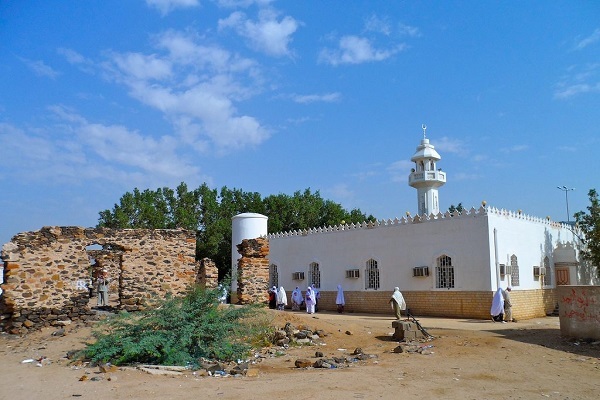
pixel 99 97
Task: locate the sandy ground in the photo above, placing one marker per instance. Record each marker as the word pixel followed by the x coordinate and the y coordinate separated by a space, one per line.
pixel 470 359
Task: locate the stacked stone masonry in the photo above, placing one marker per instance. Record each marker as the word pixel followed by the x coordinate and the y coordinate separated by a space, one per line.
pixel 253 271
pixel 46 272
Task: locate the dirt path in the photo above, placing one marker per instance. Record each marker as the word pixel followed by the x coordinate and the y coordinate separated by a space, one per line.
pixel 469 360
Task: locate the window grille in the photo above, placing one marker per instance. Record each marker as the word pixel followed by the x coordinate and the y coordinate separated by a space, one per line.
pixel 372 275
pixel 444 273
pixel 352 273
pixel 274 275
pixel 514 269
pixel 314 275
pixel 548 272
pixel 298 276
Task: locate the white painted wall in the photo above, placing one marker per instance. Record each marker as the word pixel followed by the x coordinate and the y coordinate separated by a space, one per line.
pixel 398 247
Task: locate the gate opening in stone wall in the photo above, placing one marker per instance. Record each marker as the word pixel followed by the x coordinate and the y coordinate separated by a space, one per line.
pixel 106 260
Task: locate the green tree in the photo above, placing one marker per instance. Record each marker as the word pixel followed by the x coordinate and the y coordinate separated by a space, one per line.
pixel 458 208
pixel 209 212
pixel 589 225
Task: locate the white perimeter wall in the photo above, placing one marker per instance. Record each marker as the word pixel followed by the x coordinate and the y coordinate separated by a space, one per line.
pixel 399 246
pixel 530 240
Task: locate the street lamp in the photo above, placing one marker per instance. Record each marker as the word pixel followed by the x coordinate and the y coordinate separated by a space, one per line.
pixel 566 190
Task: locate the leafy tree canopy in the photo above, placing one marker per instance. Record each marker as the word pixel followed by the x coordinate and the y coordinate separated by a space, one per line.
pixel 209 212
pixel 589 224
pixel 458 208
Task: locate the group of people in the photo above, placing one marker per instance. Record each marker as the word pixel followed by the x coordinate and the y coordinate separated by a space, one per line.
pixel 310 299
pixel 501 306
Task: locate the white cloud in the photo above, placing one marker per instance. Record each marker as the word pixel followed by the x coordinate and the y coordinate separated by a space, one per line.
pixel 448 145
pixel 379 25
pixel 585 42
pixel 166 6
pixel 340 192
pixel 141 67
pixel 196 88
pixel 579 80
pixel 515 148
pixel 269 34
pixel 243 3
pixel 40 68
pixel 357 50
pixel 72 56
pixel 407 30
pixel 75 149
pixel 313 98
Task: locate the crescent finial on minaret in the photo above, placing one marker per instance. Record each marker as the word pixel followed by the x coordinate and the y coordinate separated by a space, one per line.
pixel 424 129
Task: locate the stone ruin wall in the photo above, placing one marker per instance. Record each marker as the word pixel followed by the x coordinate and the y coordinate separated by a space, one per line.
pixel 253 271
pixel 45 272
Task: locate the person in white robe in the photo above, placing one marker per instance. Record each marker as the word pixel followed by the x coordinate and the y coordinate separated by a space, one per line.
pixel 296 299
pixel 339 299
pixel 310 300
pixel 398 303
pixel 497 309
pixel 317 296
pixel 281 298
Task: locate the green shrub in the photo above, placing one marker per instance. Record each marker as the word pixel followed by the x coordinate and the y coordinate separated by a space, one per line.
pixel 179 331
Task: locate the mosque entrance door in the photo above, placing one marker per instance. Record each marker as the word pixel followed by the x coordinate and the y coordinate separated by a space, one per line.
pixel 562 276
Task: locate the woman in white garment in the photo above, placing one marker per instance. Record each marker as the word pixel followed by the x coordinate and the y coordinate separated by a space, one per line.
pixel 340 302
pixel 281 298
pixel 296 299
pixel 398 303
pixel 310 300
pixel 497 309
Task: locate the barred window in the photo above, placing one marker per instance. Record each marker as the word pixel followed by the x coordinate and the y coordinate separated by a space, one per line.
pixel 273 275
pixel 548 276
pixel 314 275
pixel 514 271
pixel 372 275
pixel 444 273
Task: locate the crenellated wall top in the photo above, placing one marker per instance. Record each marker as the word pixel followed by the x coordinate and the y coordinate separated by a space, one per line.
pixel 408 219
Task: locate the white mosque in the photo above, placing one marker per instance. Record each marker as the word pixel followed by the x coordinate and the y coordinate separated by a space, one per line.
pixel 445 264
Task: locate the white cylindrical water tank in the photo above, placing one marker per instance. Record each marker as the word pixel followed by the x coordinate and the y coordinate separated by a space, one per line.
pixel 244 226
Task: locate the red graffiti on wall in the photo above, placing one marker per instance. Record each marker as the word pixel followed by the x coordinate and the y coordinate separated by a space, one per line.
pixel 580 303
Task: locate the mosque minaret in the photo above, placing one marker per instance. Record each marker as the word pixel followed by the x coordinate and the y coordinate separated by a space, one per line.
pixel 426 177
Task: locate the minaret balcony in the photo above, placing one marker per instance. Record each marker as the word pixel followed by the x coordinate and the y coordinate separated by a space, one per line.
pixel 427 178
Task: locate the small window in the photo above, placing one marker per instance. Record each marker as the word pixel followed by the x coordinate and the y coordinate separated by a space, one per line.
pixel 372 275
pixel 298 276
pixel 421 271
pixel 352 273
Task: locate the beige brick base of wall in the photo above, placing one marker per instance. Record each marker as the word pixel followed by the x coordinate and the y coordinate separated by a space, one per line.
pixel 526 303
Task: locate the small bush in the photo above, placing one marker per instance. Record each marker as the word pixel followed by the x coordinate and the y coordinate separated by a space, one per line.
pixel 179 331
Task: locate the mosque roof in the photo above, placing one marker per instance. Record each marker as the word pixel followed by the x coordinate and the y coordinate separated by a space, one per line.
pixel 425 150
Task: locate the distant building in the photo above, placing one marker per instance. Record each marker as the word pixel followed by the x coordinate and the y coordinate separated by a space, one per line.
pixel 444 264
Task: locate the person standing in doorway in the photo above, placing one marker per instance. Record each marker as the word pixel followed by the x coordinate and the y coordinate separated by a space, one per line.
pixel 103 283
pixel 507 305
pixel 398 303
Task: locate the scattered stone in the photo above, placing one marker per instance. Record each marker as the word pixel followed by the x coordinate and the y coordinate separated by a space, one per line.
pixel 108 367
pixel 318 354
pixel 349 333
pixel 59 332
pixel 320 363
pixel 303 363
pixel 252 373
pixel 358 350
